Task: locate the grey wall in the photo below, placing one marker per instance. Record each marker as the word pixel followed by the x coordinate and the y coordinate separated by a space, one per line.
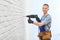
pixel 12 20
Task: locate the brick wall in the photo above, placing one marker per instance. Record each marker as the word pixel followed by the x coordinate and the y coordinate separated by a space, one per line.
pixel 12 20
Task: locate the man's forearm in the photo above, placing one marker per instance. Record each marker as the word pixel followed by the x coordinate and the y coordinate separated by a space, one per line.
pixel 38 23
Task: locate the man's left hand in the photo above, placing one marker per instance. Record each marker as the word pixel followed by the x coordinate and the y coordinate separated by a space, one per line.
pixel 30 21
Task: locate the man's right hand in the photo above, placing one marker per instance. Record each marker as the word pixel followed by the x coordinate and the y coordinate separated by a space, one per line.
pixel 37 18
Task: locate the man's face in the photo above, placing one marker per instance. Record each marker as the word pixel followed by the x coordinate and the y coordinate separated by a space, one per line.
pixel 45 9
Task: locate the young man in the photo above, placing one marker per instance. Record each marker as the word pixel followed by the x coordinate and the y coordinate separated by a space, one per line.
pixel 44 24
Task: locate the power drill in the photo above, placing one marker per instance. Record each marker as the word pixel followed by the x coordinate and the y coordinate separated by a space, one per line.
pixel 31 16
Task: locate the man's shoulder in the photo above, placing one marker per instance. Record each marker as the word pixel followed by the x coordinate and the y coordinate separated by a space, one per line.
pixel 49 16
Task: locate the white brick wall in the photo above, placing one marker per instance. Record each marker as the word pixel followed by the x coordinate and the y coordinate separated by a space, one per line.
pixel 12 20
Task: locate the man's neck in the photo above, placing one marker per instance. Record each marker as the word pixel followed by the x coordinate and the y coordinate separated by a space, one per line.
pixel 45 14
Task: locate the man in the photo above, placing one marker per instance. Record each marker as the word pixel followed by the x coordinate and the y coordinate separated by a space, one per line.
pixel 44 24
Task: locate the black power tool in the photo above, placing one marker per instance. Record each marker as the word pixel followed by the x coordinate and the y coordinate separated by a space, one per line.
pixel 31 16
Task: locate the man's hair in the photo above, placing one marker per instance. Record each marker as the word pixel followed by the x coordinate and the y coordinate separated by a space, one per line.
pixel 45 5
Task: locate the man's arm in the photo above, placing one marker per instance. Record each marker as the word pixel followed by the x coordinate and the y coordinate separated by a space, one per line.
pixel 39 23
pixel 36 23
pixel 44 22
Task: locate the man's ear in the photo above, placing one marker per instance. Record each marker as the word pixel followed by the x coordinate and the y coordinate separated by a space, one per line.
pixel 48 8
